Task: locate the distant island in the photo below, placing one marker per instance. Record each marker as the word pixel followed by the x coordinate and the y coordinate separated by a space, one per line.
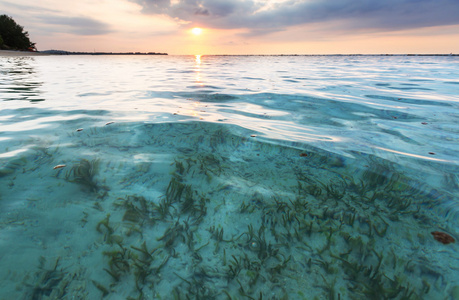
pixel 62 52
pixel 14 38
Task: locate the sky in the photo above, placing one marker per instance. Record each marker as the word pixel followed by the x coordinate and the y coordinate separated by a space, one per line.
pixel 241 27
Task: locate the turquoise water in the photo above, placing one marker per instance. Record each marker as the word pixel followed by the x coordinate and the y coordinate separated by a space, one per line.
pixel 228 177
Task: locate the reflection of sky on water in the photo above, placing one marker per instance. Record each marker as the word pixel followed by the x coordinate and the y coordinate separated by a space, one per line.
pixel 336 103
pixel 18 80
pixel 319 135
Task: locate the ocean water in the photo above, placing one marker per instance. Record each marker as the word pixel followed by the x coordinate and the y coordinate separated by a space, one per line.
pixel 229 177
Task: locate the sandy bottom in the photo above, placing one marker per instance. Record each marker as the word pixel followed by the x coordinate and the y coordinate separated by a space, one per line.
pixel 140 211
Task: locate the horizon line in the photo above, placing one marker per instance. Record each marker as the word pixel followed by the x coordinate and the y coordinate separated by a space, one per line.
pixel 272 54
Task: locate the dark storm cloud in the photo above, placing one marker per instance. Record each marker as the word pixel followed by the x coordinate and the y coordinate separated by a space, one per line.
pixel 76 25
pixel 350 14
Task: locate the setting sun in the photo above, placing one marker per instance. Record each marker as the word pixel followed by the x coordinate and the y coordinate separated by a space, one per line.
pixel 196 31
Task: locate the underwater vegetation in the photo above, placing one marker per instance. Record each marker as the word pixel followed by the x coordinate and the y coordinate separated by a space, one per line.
pixel 238 224
pixel 328 238
pixel 47 283
pixel 83 174
pixel 11 166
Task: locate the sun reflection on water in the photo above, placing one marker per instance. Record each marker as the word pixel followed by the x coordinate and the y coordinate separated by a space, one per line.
pixel 197 68
pixel 198 59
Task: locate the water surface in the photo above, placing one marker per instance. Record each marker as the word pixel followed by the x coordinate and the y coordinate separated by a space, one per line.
pixel 228 177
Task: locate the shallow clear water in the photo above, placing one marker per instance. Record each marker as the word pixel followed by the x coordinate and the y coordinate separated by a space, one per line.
pixel 229 177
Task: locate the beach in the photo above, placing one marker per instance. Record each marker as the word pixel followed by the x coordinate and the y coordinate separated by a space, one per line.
pixel 20 53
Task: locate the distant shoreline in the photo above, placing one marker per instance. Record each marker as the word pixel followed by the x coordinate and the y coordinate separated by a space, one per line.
pixel 21 53
pixel 58 52
pixel 63 52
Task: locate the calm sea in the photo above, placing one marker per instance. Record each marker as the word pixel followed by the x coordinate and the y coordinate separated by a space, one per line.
pixel 229 177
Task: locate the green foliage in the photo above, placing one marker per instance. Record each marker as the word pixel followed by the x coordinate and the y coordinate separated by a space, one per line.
pixel 13 36
pixel 83 173
pixel 47 282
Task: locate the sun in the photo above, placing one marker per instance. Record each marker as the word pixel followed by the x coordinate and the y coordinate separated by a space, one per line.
pixel 196 31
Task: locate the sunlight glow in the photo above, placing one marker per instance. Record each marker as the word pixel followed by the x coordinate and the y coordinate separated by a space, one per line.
pixel 197 69
pixel 196 31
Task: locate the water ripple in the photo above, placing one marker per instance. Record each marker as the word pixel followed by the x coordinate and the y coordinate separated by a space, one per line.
pixel 281 163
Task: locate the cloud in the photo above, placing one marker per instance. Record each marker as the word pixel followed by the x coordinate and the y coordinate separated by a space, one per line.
pixel 77 25
pixel 263 17
pixel 51 19
pixel 27 7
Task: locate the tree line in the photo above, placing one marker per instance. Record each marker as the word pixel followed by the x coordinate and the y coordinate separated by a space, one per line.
pixel 13 36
